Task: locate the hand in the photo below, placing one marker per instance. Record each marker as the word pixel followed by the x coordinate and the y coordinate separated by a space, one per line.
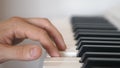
pixel 16 29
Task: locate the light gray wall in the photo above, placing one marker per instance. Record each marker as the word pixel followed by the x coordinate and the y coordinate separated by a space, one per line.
pixel 0 9
pixel 55 8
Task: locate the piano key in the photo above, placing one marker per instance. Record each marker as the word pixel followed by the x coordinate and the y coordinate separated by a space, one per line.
pixel 99 55
pixel 96 39
pixel 66 54
pixel 89 19
pixel 53 59
pixel 97 48
pixel 97 43
pixel 102 63
pixel 94 27
pixel 89 30
pixel 105 24
pixel 96 34
pixel 62 62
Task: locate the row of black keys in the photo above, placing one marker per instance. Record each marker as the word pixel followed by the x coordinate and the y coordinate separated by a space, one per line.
pixel 98 42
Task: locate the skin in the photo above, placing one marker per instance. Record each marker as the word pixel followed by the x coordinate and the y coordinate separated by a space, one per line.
pixel 16 29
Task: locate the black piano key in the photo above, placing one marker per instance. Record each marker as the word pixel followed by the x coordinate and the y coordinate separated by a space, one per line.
pixel 97 48
pixel 97 43
pixel 77 19
pixel 102 63
pixel 97 34
pixel 94 27
pixel 96 31
pixel 105 24
pixel 96 39
pixel 99 55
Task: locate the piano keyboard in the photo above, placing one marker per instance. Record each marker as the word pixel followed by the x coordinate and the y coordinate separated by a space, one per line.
pixel 97 45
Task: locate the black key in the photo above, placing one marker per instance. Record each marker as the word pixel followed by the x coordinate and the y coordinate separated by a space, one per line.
pixel 96 31
pixel 98 48
pixel 96 34
pixel 93 24
pixel 94 27
pixel 77 19
pixel 96 39
pixel 102 63
pixel 97 43
pixel 99 55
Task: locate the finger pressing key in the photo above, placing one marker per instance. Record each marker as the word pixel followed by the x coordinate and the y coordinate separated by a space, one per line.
pixel 52 31
pixel 41 35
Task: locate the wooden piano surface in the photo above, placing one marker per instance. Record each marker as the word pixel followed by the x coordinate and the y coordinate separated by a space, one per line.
pixel 69 58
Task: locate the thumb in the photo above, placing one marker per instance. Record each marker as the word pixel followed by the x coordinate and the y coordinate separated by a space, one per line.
pixel 23 52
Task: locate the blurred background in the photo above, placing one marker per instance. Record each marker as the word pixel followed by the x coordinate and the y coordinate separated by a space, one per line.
pixel 53 9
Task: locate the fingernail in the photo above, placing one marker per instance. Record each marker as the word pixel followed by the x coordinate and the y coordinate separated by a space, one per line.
pixel 33 52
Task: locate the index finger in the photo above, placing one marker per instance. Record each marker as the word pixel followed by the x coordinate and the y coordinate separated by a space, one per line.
pixel 52 31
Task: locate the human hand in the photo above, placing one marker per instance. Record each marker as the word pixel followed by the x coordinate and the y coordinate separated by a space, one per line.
pixel 16 29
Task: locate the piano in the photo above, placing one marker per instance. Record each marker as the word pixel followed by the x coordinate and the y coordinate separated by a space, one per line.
pixel 92 42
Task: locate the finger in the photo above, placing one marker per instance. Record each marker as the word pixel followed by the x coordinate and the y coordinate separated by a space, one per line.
pixel 42 36
pixel 53 32
pixel 23 52
pixel 26 30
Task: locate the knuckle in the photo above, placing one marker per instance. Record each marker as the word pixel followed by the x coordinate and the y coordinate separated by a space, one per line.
pixel 43 32
pixel 45 20
pixel 15 19
pixel 20 52
pixel 15 22
pixel 23 53
pixel 48 24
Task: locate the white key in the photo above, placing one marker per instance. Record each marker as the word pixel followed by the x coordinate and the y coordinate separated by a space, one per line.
pixel 62 62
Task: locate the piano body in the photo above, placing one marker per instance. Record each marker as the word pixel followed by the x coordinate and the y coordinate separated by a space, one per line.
pixel 96 47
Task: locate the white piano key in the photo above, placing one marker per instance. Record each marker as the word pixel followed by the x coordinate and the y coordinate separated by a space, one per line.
pixel 61 59
pixel 62 62
pixel 67 53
